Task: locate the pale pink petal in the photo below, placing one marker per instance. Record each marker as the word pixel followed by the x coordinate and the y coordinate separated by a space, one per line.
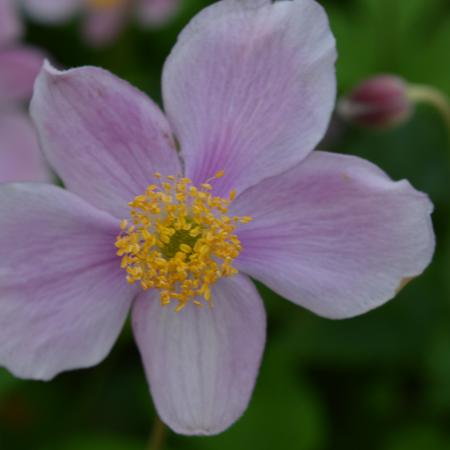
pixel 249 88
pixel 103 137
pixel 18 70
pixel 335 234
pixel 52 11
pixel 202 363
pixel 157 12
pixel 10 25
pixel 63 296
pixel 102 26
pixel 20 156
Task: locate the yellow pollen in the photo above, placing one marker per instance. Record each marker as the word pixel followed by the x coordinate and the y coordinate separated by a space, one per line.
pixel 179 240
pixel 104 4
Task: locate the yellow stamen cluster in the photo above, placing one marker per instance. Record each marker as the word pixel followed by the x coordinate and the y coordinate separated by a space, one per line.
pixel 104 4
pixel 180 240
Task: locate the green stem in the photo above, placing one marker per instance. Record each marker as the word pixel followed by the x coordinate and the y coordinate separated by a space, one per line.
pixel 432 96
pixel 158 435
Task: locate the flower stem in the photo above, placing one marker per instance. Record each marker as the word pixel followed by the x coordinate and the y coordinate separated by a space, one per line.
pixel 432 96
pixel 157 436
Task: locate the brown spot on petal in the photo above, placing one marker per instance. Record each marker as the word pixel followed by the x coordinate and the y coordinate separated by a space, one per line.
pixel 346 177
pixel 403 283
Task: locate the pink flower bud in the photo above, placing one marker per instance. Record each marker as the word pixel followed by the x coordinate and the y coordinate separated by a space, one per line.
pixel 378 102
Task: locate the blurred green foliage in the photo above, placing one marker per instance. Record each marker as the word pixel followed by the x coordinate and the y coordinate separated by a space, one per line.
pixel 377 382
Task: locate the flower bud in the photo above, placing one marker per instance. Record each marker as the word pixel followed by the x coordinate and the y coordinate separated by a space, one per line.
pixel 378 102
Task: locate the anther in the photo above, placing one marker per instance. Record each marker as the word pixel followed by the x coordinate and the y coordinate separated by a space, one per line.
pixel 179 240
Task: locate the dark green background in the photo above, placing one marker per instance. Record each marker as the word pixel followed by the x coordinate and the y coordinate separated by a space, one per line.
pixel 381 381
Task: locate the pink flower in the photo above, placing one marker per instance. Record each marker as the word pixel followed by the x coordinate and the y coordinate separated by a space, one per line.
pixel 378 102
pixel 10 24
pixel 20 157
pixel 248 91
pixel 103 19
pixel 19 66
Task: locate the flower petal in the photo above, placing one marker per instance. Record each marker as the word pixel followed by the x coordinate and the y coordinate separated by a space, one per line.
pixel 51 11
pixel 10 26
pixel 63 296
pixel 103 137
pixel 335 234
pixel 20 156
pixel 157 12
pixel 202 363
pixel 102 26
pixel 249 88
pixel 18 70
